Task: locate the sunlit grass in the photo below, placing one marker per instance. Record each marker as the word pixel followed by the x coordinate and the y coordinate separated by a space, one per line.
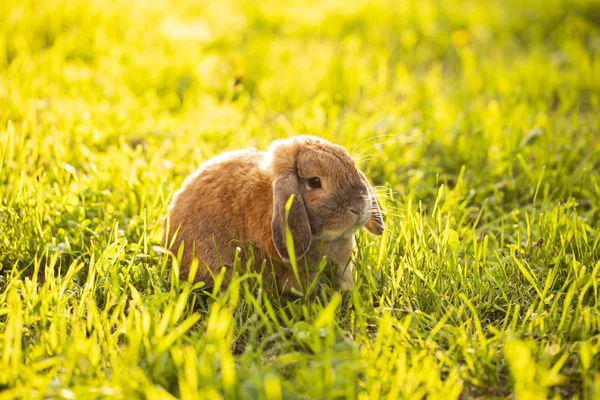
pixel 477 121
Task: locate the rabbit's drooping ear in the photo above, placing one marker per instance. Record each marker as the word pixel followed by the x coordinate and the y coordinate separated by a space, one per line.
pixel 375 223
pixel 283 187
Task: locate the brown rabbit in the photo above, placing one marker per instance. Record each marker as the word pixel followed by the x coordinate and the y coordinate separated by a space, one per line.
pixel 238 199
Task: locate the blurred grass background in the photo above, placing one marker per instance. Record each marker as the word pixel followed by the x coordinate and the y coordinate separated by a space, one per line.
pixel 477 120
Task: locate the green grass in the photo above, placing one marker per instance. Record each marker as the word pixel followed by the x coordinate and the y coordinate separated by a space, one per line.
pixel 478 122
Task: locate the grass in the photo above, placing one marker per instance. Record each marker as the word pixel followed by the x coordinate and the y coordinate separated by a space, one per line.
pixel 478 121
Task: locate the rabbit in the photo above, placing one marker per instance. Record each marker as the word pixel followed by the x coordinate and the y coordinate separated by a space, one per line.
pixel 238 200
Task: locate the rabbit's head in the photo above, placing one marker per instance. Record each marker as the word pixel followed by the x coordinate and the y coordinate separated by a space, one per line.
pixel 332 197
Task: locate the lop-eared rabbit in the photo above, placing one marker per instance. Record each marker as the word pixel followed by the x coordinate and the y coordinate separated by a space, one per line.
pixel 238 199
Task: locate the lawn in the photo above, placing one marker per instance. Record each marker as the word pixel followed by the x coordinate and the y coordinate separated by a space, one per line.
pixel 478 123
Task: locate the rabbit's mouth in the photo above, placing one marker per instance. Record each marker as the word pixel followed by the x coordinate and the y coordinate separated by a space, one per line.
pixel 362 216
pixel 346 223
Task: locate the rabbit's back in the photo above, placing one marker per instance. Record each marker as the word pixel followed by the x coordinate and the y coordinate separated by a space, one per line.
pixel 218 208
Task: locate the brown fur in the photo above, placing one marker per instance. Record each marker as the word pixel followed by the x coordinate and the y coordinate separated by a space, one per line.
pixel 238 199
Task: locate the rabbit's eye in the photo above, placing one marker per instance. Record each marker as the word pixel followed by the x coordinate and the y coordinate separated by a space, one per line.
pixel 314 183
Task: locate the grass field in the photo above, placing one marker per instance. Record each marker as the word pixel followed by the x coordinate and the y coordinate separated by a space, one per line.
pixel 478 122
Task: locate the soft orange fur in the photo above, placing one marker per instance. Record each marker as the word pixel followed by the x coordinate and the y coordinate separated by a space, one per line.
pixel 237 199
